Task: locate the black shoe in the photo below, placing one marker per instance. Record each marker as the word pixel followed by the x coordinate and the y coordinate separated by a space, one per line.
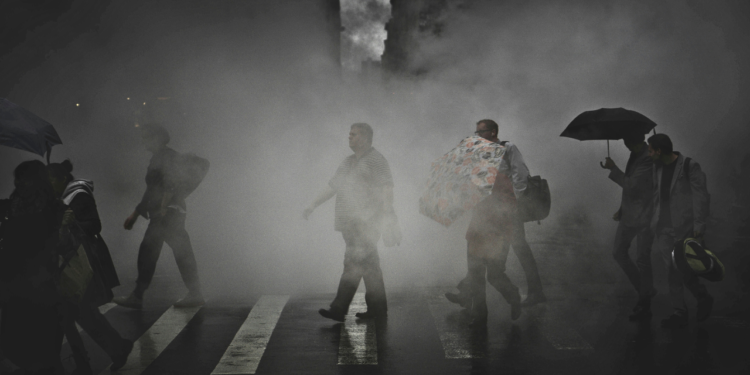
pixel 339 317
pixel 705 305
pixel 640 312
pixel 122 357
pixel 534 298
pixel 370 315
pixel 675 321
pixel 458 299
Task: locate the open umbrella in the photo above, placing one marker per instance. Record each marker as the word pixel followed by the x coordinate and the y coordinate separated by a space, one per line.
pixel 607 123
pixel 24 130
pixel 460 179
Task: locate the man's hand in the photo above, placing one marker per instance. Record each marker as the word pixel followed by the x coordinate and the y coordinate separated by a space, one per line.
pixel 306 213
pixel 68 217
pixel 608 163
pixel 130 221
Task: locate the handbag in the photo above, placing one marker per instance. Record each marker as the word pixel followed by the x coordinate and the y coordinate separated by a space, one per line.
pixel 75 275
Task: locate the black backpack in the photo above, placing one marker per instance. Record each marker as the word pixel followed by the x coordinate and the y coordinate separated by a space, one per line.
pixel 190 169
pixel 535 203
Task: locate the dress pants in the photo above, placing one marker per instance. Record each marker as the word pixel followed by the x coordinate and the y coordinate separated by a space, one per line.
pixel 493 266
pixel 169 228
pixel 639 272
pixel 664 244
pixel 361 261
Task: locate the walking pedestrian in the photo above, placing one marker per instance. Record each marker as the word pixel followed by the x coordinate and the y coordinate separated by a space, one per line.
pixel 363 187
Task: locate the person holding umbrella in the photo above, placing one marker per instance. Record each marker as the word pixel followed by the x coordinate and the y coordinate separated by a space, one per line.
pixel 363 187
pixel 634 218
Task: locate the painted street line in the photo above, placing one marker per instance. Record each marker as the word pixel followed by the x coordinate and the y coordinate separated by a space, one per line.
pixel 561 336
pixel 153 342
pixel 358 344
pixel 246 349
pixel 102 309
pixel 458 339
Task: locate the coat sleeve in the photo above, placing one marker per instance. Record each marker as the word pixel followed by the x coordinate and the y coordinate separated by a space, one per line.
pixel 87 216
pixel 700 197
pixel 518 169
pixel 639 179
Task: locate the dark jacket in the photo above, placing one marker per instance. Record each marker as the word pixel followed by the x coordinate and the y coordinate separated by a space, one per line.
pixel 688 199
pixel 637 184
pixel 79 197
pixel 160 179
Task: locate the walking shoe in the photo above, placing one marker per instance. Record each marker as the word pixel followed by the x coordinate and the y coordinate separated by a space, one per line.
pixel 190 300
pixel 534 298
pixel 130 301
pixel 370 315
pixel 705 305
pixel 675 321
pixel 458 299
pixel 122 357
pixel 330 314
pixel 640 312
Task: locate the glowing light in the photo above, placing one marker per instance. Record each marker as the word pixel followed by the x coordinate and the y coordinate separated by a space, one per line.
pixel 136 125
pixel 128 98
pixel 78 104
pixel 144 103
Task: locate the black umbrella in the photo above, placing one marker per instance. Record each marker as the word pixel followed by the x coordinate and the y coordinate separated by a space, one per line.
pixel 24 130
pixel 607 123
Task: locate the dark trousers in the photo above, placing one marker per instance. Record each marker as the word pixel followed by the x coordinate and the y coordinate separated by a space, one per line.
pixel 494 269
pixel 639 272
pixel 88 316
pixel 361 261
pixel 169 228
pixel 525 257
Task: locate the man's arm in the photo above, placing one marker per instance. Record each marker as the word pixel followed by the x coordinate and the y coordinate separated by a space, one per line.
pixel 700 198
pixel 639 180
pixel 518 169
pixel 325 195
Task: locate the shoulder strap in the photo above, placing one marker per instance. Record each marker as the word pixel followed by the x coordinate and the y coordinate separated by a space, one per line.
pixel 502 143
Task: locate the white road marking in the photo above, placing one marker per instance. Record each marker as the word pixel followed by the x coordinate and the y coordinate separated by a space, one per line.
pixel 358 344
pixel 151 344
pixel 455 334
pixel 246 349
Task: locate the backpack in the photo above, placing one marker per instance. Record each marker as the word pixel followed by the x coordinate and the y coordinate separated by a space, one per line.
pixel 189 171
pixel 535 204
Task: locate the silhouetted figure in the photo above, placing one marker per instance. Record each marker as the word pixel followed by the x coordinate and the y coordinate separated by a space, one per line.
pixel 681 203
pixel 163 204
pixel 78 195
pixel 634 220
pixel 363 187
pixel 31 329
pixel 519 173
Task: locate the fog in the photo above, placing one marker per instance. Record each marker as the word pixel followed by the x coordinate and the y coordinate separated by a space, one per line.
pixel 251 86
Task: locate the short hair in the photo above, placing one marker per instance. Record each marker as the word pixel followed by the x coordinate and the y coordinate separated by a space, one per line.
pixel 156 131
pixel 32 174
pixel 491 125
pixel 661 142
pixel 61 170
pixel 365 128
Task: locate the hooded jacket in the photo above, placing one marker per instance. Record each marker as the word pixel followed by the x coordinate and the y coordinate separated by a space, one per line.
pixel 688 199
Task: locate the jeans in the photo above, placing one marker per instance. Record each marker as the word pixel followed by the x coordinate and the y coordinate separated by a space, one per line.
pixel 361 261
pixel 169 228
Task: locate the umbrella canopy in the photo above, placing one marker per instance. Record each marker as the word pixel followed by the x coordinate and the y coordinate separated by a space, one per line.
pixel 24 130
pixel 607 123
pixel 460 179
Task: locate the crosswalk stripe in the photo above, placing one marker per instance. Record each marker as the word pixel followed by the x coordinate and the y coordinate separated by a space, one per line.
pixel 560 336
pixel 455 337
pixel 102 309
pixel 155 340
pixel 358 344
pixel 246 349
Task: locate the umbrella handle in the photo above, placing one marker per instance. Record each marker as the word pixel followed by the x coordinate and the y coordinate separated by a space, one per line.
pixel 49 151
